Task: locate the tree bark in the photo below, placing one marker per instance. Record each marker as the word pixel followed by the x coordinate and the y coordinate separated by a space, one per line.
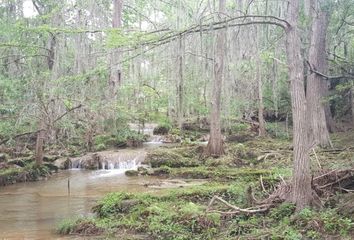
pixel 215 145
pixel 301 182
pixel 317 86
pixel 115 76
pixel 180 87
pixel 40 143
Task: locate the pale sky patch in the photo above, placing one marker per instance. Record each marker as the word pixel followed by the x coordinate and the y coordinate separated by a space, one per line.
pixel 28 9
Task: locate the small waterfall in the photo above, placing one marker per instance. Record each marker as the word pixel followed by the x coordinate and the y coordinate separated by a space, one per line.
pixel 147 130
pixel 109 160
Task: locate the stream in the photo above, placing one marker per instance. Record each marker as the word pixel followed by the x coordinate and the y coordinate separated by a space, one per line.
pixel 33 210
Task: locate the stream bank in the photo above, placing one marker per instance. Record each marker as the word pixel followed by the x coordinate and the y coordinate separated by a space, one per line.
pixel 250 171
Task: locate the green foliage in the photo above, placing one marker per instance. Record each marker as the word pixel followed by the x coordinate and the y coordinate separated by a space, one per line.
pixel 126 134
pixel 282 211
pixel 66 226
pixel 324 222
pixel 239 127
pixel 110 204
pixel 170 158
pixel 276 130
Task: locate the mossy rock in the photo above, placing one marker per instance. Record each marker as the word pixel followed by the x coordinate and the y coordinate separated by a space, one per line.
pixel 170 158
pixel 132 173
pixel 161 171
pixel 162 129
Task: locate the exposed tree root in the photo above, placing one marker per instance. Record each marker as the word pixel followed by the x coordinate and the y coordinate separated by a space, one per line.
pixel 324 185
pixel 235 209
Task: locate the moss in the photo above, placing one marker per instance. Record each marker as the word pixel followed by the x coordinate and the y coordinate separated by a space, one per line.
pixel 100 147
pixel 30 172
pixel 162 129
pixel 173 158
pixel 221 173
pixel 131 173
pixel 66 226
pixel 82 226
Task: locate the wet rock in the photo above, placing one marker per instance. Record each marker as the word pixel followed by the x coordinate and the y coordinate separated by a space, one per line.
pixel 62 163
pixel 161 130
pixel 131 173
pixel 143 170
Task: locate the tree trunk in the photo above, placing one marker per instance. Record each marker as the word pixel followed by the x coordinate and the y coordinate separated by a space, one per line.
pixel 261 121
pixel 301 182
pixel 215 145
pixel 40 143
pixel 261 129
pixel 180 83
pixel 317 86
pixel 115 76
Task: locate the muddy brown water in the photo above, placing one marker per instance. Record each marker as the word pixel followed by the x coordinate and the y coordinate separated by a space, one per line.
pixel 33 210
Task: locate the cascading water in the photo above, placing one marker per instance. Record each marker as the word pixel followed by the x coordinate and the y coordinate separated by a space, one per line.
pixel 109 160
pixel 148 130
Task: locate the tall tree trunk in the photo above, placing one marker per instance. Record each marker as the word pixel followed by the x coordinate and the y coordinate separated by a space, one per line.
pixel 261 121
pixel 115 76
pixel 215 145
pixel 180 87
pixel 301 182
pixel 317 86
pixel 261 129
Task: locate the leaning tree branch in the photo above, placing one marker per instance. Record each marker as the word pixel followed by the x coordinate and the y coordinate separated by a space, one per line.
pixel 68 111
pixel 313 70
pixel 37 131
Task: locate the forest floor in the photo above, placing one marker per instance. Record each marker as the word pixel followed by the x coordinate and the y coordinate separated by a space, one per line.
pixel 251 170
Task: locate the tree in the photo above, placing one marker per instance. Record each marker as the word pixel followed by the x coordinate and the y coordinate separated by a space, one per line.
pixel 215 145
pixel 115 74
pixel 316 85
pixel 301 182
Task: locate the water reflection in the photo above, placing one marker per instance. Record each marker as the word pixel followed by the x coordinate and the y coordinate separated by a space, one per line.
pixel 33 210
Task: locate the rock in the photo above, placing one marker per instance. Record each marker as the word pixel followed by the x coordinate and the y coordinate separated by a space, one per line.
pixel 134 143
pixel 90 161
pixel 143 170
pixel 131 173
pixel 62 163
pixel 161 130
